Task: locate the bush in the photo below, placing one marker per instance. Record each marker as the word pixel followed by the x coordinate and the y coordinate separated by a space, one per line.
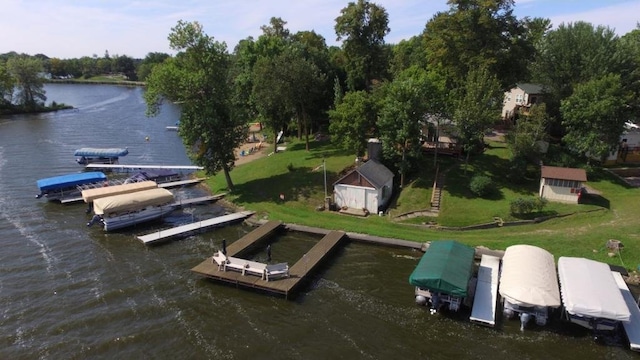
pixel 481 185
pixel 521 206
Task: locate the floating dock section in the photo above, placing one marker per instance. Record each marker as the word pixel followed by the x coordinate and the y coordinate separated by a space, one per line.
pixel 632 327
pixel 486 298
pixel 167 234
pixel 197 200
pixel 283 286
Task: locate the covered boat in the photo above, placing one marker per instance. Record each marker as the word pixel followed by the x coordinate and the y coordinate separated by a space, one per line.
pixel 590 295
pixel 90 195
pixel 529 283
pixel 443 275
pixel 59 187
pixel 99 155
pixel 119 211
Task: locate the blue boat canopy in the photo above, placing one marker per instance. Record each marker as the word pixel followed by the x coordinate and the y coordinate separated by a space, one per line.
pixel 65 181
pixel 105 153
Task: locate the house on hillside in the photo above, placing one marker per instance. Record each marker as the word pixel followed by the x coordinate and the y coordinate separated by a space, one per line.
pixel 629 149
pixel 562 184
pixel 368 186
pixel 520 99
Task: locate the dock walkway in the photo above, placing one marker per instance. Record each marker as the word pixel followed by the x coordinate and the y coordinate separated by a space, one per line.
pixel 283 286
pixel 125 168
pixel 197 200
pixel 167 234
pixel 632 327
pixel 486 298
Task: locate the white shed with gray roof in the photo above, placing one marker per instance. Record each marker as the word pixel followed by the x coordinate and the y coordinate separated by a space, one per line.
pixel 369 186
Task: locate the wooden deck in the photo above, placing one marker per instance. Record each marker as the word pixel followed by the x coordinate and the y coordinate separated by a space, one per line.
pixel 284 286
pixel 164 235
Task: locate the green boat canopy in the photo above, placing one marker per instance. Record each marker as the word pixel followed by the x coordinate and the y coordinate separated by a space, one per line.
pixel 445 267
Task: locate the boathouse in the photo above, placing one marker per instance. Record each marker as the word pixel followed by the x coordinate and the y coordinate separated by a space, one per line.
pixel 367 187
pixel 561 184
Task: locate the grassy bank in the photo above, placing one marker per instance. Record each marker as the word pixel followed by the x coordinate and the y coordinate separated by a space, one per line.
pixel 582 231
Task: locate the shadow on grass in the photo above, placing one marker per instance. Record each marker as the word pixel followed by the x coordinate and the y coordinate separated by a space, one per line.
pixel 597 200
pixel 301 182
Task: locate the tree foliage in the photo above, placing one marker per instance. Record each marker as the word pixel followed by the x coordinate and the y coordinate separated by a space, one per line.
pixel 479 34
pixel 362 26
pixel 524 139
pixel 6 85
pixel 29 83
pixel 198 79
pixel 353 121
pixel 594 116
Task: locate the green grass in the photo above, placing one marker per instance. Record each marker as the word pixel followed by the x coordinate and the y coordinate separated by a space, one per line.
pixel 582 231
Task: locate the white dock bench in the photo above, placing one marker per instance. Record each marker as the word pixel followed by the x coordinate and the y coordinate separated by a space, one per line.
pixel 632 327
pixel 485 300
pixel 276 270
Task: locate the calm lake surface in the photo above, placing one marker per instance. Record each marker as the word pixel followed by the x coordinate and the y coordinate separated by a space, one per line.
pixel 72 292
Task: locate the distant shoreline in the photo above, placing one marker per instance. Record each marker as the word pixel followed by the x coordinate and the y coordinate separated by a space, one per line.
pixel 97 82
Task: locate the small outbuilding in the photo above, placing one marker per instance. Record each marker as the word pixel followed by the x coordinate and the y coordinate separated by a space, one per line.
pixel 562 184
pixel 368 186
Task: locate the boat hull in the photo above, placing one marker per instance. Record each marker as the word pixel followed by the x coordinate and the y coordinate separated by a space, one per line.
pixel 123 221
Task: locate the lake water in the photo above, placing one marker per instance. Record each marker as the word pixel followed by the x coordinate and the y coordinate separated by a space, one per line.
pixel 72 292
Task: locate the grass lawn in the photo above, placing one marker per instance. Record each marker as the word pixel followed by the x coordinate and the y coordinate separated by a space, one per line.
pixel 582 232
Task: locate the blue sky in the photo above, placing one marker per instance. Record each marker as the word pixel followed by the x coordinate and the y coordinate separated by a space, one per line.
pixel 76 28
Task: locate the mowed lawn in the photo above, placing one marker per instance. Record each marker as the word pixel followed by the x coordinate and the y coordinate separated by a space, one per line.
pixel 580 230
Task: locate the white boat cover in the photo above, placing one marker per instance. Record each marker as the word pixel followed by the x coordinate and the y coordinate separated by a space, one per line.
pixel 132 202
pixel 91 194
pixel 589 289
pixel 529 277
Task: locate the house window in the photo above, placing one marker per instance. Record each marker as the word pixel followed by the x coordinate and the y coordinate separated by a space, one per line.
pixel 519 99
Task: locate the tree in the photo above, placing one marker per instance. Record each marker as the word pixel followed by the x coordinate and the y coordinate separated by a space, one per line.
pixel 363 26
pixel 477 107
pixel 6 85
pixel 26 71
pixel 152 59
pixel 399 124
pixel 198 78
pixel 524 140
pixel 479 34
pixel 595 115
pixel 353 121
pixel 572 54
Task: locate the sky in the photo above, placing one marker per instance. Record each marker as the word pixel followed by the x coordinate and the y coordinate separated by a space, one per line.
pixel 75 28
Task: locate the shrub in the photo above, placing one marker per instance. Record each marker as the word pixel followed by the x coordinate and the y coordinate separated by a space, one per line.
pixel 481 185
pixel 522 206
pixel 290 167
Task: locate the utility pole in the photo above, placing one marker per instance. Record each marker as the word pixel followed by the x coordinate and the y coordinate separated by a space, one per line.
pixel 324 168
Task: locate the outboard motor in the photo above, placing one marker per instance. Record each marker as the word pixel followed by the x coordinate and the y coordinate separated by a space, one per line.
pixel 94 219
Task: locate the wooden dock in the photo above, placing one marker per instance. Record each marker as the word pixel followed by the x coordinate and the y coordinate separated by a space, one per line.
pixel 197 200
pixel 164 235
pixel 283 286
pixel 172 184
pixel 125 168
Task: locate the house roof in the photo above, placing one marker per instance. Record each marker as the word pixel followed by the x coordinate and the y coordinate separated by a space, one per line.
pixel 373 171
pixel 530 88
pixel 562 173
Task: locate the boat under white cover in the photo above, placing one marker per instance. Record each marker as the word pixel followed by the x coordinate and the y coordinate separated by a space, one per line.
pixel 590 294
pixel 119 211
pixel 528 277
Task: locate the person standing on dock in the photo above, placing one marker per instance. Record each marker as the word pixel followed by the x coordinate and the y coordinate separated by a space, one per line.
pixel 269 253
pixel 224 247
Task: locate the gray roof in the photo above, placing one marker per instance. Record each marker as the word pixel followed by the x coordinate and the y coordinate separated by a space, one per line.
pixel 531 88
pixel 376 173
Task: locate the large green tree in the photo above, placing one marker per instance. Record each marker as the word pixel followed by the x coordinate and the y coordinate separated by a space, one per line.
pixel 362 26
pixel 477 107
pixel 479 34
pixel 595 115
pixel 27 74
pixel 353 121
pixel 525 138
pixel 198 79
pixel 572 54
pixel 404 108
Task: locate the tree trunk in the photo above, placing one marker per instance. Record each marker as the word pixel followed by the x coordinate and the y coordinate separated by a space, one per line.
pixel 227 177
